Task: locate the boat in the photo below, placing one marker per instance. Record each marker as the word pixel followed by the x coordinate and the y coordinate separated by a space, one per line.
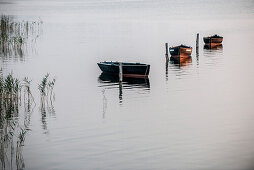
pixel 180 50
pixel 128 69
pixel 213 39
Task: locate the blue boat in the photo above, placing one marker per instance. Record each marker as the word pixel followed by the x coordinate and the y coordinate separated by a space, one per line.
pixel 128 69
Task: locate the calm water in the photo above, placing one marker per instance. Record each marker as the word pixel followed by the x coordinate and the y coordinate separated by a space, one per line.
pixel 198 115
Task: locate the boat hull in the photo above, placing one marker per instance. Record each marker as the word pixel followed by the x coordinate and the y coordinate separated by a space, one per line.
pixel 180 51
pixel 128 69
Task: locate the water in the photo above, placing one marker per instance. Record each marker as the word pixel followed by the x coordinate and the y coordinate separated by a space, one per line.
pixel 198 115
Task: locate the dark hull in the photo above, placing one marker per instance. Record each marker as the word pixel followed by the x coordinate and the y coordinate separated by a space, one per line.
pixel 180 50
pixel 174 51
pixel 209 40
pixel 129 69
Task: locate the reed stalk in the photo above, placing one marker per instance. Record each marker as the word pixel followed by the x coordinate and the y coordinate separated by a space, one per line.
pixel 15 35
pixel 11 130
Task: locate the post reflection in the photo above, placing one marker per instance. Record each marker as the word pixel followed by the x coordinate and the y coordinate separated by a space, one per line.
pixel 120 92
pixel 105 78
pixel 105 103
pixel 197 55
pixel 167 61
pixel 110 82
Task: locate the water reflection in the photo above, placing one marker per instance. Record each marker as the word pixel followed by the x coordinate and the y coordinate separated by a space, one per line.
pixel 197 54
pixel 177 65
pixel 16 106
pixel 120 92
pixel 213 47
pixel 213 54
pixel 13 130
pixel 111 81
pixel 180 60
pixel 46 109
pixel 17 38
pixel 167 61
pixel 105 103
pixel 128 82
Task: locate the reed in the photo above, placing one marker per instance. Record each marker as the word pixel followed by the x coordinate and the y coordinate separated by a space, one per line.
pixel 1 87
pixel 9 88
pixel 46 87
pixel 51 85
pixel 27 89
pixel 12 130
pixel 15 35
pixel 43 85
pixel 21 137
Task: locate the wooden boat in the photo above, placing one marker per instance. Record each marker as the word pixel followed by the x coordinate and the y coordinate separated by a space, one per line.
pixel 181 49
pixel 128 69
pixel 213 39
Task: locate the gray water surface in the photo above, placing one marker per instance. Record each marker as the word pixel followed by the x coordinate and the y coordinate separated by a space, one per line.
pixel 198 115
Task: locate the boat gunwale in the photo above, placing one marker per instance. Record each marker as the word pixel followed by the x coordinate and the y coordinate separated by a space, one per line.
pixel 212 37
pixel 180 46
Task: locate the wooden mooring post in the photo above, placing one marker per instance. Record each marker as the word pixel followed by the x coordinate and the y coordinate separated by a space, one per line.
pixel 120 71
pixel 197 41
pixel 166 49
pixel 197 46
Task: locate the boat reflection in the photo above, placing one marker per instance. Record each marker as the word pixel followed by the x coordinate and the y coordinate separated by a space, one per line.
pixel 127 81
pixel 181 60
pixel 213 49
pixel 177 65
pixel 213 54
pixel 132 86
pixel 111 81
pixel 213 46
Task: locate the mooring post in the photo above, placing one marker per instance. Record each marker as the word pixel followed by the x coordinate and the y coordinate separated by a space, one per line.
pixel 197 41
pixel 197 46
pixel 166 49
pixel 120 72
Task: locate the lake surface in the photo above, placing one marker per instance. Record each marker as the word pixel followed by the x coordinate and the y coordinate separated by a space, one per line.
pixel 198 115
